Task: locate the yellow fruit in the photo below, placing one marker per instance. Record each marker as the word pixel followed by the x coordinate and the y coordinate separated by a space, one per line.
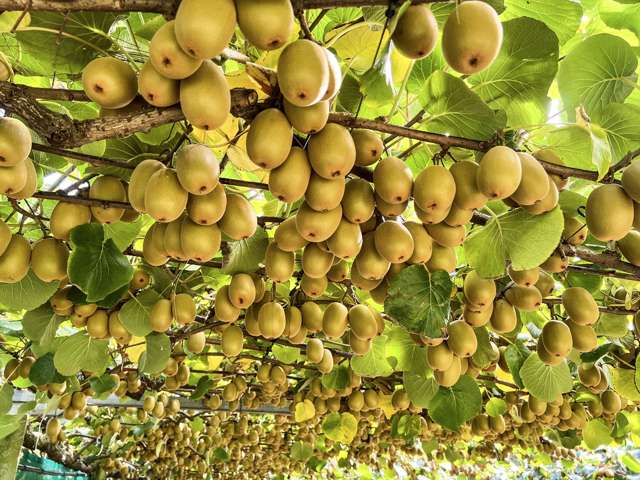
pixel 197 169
pixel 575 232
pixel 583 336
pixel 362 322
pixel 479 291
pixel 107 188
pixel 346 242
pixel 394 242
pixel 393 180
pixel 445 235
pixel 500 172
pixel 116 328
pixel 462 339
pixel 358 201
pixel 199 242
pixel 66 216
pixel 49 259
pixel 287 237
pixel 272 320
pixel 14 262
pixel 449 377
pixel 315 261
pixel 311 316
pixel 313 287
pixel 207 209
pixel 279 264
pixel 334 320
pixel 439 357
pixel 580 306
pixel 289 181
pixel 165 199
pixel 556 337
pixel 503 317
pixel 371 265
pixel 156 89
pixel 13 178
pixel 442 258
pixel 548 203
pixel 525 278
pixel 317 226
pixel 467 194
pixel 232 341
pixel 239 220
pixel 160 317
pixel 110 82
pixel 631 181
pixel 630 247
pixel 205 27
pixel 205 98
pixel 266 24
pixel 98 325
pixel 315 350
pixel 609 212
pixel 269 139
pixel 310 119
pixel 224 309
pixel 534 185
pixel 15 141
pixel 416 32
pixel 31 183
pixel 183 308
pixel 527 299
pixel 138 182
pixel 332 152
pixel 303 73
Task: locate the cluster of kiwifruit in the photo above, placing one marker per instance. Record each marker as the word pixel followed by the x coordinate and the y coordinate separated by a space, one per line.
pixel 18 177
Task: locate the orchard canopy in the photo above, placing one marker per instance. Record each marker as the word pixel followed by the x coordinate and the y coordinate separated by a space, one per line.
pixel 319 238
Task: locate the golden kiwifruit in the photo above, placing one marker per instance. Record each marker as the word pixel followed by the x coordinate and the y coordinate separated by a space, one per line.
pixel 199 242
pixel 313 287
pixel 172 240
pixel 31 183
pixel 475 316
pixel 362 322
pixel 266 24
pixel 15 141
pixel 315 350
pixel 547 357
pixel 439 357
pixel 326 364
pixel 259 283
pixel 315 261
pixel 359 346
pixel 239 220
pixel 53 430
pixel 450 377
pixel 527 299
pixel 272 320
pixel 442 258
pixel 422 243
pixel 462 339
pixel 355 401
pixel 467 195
pixel 287 237
pixel 583 336
pixel 85 310
pixel 311 317
pixel 346 242
pixel 157 89
pixel 303 73
pixel 471 37
pixel 580 306
pixel 66 216
pixel 370 225
pixel 224 309
pixel 251 320
pixel 242 290
pixel 166 56
pixel 117 329
pixel 394 242
pixel 14 262
pixel 334 320
pixel 13 178
pixel 300 338
pixel 400 399
pixel 107 188
pixel 545 284
pixel 293 321
pixel 575 231
pixel 161 316
pixel 432 216
pixel 556 263
pixel 369 147
pixel 416 32
pixel 138 182
pixel 434 189
pixel 500 173
pixel 165 199
pixel 12 370
pixel 371 265
pixel 288 182
pixel 316 226
pixel 232 341
pixel 479 291
pixel 458 217
pixel 197 168
pixel 110 82
pixel 324 194
pixel 611 403
pixel 548 203
pixel 279 264
pixel 629 246
pixel 49 259
pixel 332 152
pixel 534 185
pixel 391 210
pixel 207 209
pixel 631 181
pixel 393 180
pixel 98 325
pixel 609 212
pixel 556 338
pixel 549 156
pixel 525 278
pixel 203 28
pixel 183 308
pixel 309 119
pixel 589 374
pixel 339 272
pixel 196 342
pixel 269 139
pixel 503 318
pixel 446 235
pixel 205 98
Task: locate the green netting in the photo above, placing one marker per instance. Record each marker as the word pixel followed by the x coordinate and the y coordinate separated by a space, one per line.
pixel 33 467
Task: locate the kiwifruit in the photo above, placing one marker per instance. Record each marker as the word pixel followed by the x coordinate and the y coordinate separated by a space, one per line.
pixel 308 120
pixel 449 377
pixel 393 180
pixel 479 291
pixel 534 185
pixel 31 183
pixel 631 181
pixel 358 346
pixel 467 195
pixel 316 226
pixel 165 199
pixel 371 265
pixel 362 322
pixel 110 82
pixel 66 216
pixel 161 316
pixel 439 357
pixel 580 306
pixel 589 374
pixel 303 73
pixel 422 243
pixel 224 309
pixel 288 182
pixel 575 231
pixel 335 75
pixel 242 290
pixel 197 168
pixel 525 278
pixel 287 237
pixel 611 402
pixel 167 58
pixel 98 325
pixel 394 242
pixel 117 329
pixel 548 203
pixel 390 210
pixel 272 320
pixel 205 98
pixel 107 188
pixel 200 242
pixel 266 24
pixel 15 141
pixel 609 212
pixel 583 336
pixel 157 89
pixel 500 173
pixel 332 152
pixel 416 32
pixel 326 364
pixel 311 317
pixel 239 220
pixel 324 194
pixel 442 258
pixel 379 294
pixel 400 399
pixel 14 262
pixel 355 401
pixel 207 209
pixel 138 182
pixel 315 350
pixel 279 264
pixel 547 357
pixel 527 299
pixel 53 429
pixel 475 316
pixel 462 339
pixel 556 263
pixel 471 37
pixel 232 341
pixel 49 259
pixel 503 318
pixel 269 139
pixel 183 308
pixel 346 241
pixel 369 147
pixel 629 246
pixel 334 320
pixel 446 235
pixel 205 27
pixel 293 321
pixel 556 337
pixel 251 320
pixel 5 236
pixel 172 240
pixel 338 272
pixel 545 284
pixel 13 178
pixel 313 287
pixel 315 261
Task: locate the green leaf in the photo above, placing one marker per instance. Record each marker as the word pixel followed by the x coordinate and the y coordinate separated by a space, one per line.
pixel 420 300
pixel 519 79
pixel 422 70
pixel 515 355
pixel 43 371
pixel 11 448
pixel 246 255
pixel 8 425
pixel 596 433
pixel 452 108
pixel 619 16
pixel 341 428
pixel 202 388
pixel 624 382
pixel 621 123
pixel 124 233
pixel 41 324
pixel 134 314
pixel 81 352
pixel 103 384
pixel 6 398
pixel 407 354
pixel 561 16
pixel 517 236
pixel 27 294
pixel 543 381
pixel 157 352
pixel 630 462
pixel 420 388
pixel 286 354
pixel 598 353
pixel 220 454
pixel 484 353
pixel 451 407
pixel 495 407
pixel 612 326
pixel 374 363
pixel 96 265
pixel 609 78
pixel 301 451
pixel 337 379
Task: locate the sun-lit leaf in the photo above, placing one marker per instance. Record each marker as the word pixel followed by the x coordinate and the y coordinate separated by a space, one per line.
pixel 451 407
pixel 543 381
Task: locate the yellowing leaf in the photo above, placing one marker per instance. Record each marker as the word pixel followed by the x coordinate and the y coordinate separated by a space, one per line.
pixel 304 411
pixel 139 348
